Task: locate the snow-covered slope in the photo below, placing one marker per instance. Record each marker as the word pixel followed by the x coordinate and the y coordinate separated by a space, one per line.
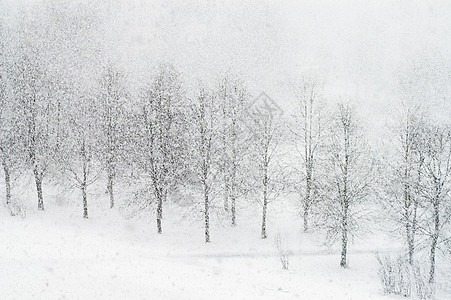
pixel 57 254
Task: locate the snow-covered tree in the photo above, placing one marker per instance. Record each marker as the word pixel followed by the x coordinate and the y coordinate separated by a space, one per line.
pixel 436 189
pixel 308 139
pixel 233 100
pixel 350 175
pixel 2 117
pixel 204 117
pixel 111 108
pixel 400 188
pixel 32 91
pixel 5 131
pixel 11 147
pixel 79 156
pixel 12 130
pixel 267 133
pixel 160 140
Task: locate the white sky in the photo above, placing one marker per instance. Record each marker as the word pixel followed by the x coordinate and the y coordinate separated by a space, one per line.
pixel 359 49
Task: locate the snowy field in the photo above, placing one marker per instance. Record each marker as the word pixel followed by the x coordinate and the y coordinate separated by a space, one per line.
pixel 56 254
pixel 177 105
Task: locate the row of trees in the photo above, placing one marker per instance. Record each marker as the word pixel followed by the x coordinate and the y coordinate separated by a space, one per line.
pixel 410 181
pixel 416 190
pixel 215 139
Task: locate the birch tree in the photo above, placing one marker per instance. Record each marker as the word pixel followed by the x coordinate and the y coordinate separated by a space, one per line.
pixel 112 97
pixel 5 164
pixel 308 132
pixel 4 130
pixel 161 136
pixel 266 136
pixel 12 146
pixel 31 90
pixel 350 176
pixel 436 189
pixel 205 131
pixel 233 100
pixel 36 72
pixel 79 156
pixel 401 188
pixel 11 149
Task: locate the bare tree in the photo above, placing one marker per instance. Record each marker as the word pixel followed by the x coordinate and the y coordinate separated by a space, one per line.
pixel 308 131
pixel 2 117
pixel 32 90
pixel 401 186
pixel 11 149
pixel 161 137
pixel 79 153
pixel 3 126
pixel 224 103
pixel 112 98
pixel 266 137
pixel 205 124
pixel 12 133
pixel 436 188
pixel 36 69
pixel 350 176
pixel 233 100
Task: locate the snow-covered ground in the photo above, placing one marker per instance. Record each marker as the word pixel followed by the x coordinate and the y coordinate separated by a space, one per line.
pixel 57 254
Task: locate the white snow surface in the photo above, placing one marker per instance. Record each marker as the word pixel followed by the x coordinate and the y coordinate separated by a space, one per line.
pixel 56 254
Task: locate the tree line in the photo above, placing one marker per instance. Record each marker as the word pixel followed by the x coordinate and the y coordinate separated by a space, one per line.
pixel 214 138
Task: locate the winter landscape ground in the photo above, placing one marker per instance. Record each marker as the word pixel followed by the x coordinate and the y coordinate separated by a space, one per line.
pixel 56 254
pixel 225 149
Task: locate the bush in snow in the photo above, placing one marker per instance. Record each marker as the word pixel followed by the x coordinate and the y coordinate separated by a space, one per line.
pixel 398 277
pixel 282 251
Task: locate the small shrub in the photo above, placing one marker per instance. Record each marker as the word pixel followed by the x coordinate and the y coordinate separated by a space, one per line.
pixel 282 251
pixel 398 277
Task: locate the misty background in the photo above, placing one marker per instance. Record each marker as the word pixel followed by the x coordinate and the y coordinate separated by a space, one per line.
pixel 376 53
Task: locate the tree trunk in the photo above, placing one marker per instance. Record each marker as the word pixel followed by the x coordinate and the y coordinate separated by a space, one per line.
pixel 85 180
pixel 110 189
pixel 7 186
pixel 265 200
pixel 225 157
pixel 414 231
pixel 233 186
pixel 38 180
pixel 345 199
pixel 207 214
pixel 411 227
pixel 265 205
pixel 408 203
pixel 410 242
pixel 159 213
pixel 85 201
pixel 435 236
pixel 233 210
pixel 432 259
pixel 7 183
pixel 415 206
pixel 307 200
pixel 344 243
pixel 226 194
pixel 226 201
